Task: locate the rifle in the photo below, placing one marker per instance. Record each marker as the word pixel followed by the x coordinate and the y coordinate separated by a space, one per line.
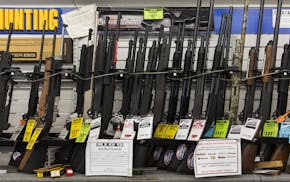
pixel 225 54
pixel 177 60
pixel 237 63
pixel 160 83
pixel 35 158
pixel 127 82
pixel 250 149
pixel 101 55
pixel 146 99
pixel 282 150
pixel 211 114
pixel 267 80
pixel 137 83
pixel 251 83
pixel 109 82
pixel 264 109
pixel 5 78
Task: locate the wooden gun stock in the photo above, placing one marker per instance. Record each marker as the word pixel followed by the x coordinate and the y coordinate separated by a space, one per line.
pixel 269 62
pixel 252 65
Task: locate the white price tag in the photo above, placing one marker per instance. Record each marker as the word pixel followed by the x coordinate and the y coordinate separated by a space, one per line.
pixel 95 129
pixel 145 128
pixel 183 129
pixel 128 129
pixel 196 130
pixel 250 129
pixel 235 131
pixel 64 132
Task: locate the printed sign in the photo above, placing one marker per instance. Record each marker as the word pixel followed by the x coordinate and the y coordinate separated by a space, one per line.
pixel 153 13
pixel 270 129
pixel 30 20
pixel 183 130
pixel 221 128
pixel 217 157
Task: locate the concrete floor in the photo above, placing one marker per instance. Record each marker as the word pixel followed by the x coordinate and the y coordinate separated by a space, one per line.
pixel 149 175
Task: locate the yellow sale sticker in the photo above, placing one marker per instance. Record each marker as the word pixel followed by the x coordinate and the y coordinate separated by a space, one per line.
pixel 221 129
pixel 270 129
pixel 160 130
pixel 171 131
pixel 153 13
pixel 28 131
pixel 75 129
pixel 85 129
pixel 34 138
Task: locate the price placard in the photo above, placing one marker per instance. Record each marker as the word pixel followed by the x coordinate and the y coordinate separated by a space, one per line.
pixel 85 129
pixel 221 129
pixel 33 139
pixel 28 131
pixel 270 129
pixel 75 129
pixel 285 130
pixel 170 131
pixel 160 130
pixel 153 13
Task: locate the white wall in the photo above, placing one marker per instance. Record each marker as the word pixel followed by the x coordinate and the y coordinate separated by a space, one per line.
pixel 67 102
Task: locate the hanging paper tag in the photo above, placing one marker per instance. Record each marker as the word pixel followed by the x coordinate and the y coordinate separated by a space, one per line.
pixel 235 131
pixel 270 129
pixel 160 130
pixel 285 130
pixel 115 120
pixel 33 139
pixel 196 130
pixel 28 131
pixel 250 129
pixel 170 131
pixel 64 132
pixel 183 129
pixel 85 129
pixel 128 129
pixel 39 175
pixel 76 125
pixel 153 13
pixel 210 131
pixel 95 129
pixel 221 128
pixel 145 128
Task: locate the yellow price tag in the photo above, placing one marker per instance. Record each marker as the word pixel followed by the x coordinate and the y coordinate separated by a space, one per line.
pixel 153 13
pixel 171 131
pixel 28 131
pixel 39 175
pixel 160 130
pixel 270 129
pixel 76 125
pixel 221 129
pixel 33 139
pixel 85 129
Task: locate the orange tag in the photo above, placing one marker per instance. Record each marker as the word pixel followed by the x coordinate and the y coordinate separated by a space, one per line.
pixel 22 122
pixel 282 118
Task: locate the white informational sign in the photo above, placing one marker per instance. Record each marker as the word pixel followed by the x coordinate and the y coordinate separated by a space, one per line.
pixel 109 157
pixel 235 131
pixel 196 130
pixel 17 132
pixel 217 157
pixel 145 128
pixel 80 20
pixel 63 134
pixel 285 18
pixel 183 129
pixel 250 129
